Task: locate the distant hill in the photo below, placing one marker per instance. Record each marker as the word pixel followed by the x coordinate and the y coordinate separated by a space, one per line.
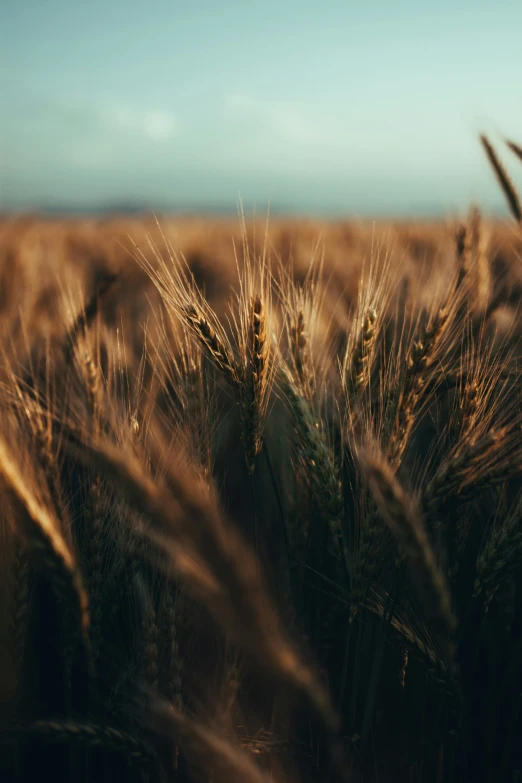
pixel 130 209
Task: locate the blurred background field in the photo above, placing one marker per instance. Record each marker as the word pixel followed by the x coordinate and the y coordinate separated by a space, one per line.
pixel 42 257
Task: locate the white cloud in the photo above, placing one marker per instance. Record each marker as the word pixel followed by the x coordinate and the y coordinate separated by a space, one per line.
pixel 287 120
pixel 157 125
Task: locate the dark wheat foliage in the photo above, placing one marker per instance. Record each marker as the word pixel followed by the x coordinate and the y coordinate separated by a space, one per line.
pixel 273 535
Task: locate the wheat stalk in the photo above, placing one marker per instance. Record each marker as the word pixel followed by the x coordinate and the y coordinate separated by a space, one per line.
pixel 172 671
pixel 515 148
pixel 504 180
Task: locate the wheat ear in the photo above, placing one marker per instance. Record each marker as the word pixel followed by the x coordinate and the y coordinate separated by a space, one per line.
pixel 254 386
pixel 450 475
pixel 501 555
pixel 418 361
pixel 369 560
pixel 463 252
pixel 321 470
pixel 301 355
pixel 212 343
pixel 87 315
pixel 403 518
pixel 357 370
pixel 480 258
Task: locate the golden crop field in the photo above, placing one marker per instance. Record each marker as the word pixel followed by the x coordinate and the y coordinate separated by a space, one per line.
pixel 261 505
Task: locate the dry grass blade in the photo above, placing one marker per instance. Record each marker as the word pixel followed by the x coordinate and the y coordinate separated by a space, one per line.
pixel 205 750
pixel 504 180
pixel 403 518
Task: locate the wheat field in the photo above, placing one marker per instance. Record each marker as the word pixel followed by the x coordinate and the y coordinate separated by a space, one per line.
pixel 261 501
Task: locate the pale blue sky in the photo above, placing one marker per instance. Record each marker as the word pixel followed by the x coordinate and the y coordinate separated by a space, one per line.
pixel 366 108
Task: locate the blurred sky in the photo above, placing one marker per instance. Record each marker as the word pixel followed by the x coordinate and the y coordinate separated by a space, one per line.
pixel 367 108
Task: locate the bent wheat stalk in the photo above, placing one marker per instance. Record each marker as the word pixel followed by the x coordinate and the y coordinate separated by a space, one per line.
pixel 44 536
